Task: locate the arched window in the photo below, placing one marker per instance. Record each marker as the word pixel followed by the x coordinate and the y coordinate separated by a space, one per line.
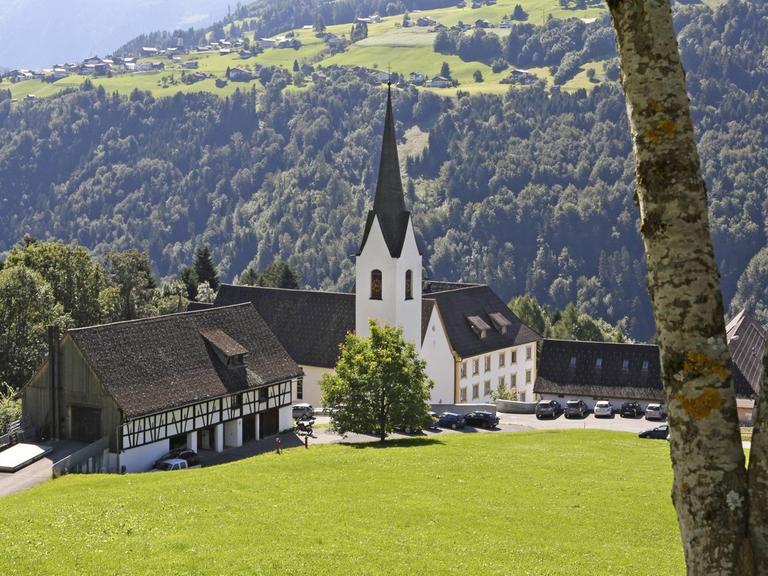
pixel 376 285
pixel 408 285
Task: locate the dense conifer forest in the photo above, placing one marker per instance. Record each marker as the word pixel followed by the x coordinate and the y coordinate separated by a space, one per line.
pixel 531 192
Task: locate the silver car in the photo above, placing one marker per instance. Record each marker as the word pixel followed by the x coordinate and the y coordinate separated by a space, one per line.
pixel 603 409
pixel 302 411
pixel 655 412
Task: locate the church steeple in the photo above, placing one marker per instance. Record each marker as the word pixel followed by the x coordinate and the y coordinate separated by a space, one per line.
pixel 389 201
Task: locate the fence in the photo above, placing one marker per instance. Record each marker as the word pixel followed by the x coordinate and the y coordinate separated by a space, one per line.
pixel 15 434
pixel 89 460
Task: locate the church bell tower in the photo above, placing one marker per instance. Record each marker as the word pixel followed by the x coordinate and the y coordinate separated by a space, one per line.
pixel 388 264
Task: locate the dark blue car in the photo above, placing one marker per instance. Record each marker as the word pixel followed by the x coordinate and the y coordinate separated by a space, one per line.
pixel 450 420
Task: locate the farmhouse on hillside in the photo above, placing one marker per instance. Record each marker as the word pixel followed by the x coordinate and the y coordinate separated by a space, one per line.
pixel 205 380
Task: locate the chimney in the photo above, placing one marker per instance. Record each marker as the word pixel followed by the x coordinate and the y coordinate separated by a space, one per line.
pixel 53 372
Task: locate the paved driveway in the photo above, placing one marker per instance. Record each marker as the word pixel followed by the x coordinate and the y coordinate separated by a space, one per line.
pixel 37 472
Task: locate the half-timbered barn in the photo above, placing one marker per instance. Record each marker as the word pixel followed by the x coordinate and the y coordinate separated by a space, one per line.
pixel 206 380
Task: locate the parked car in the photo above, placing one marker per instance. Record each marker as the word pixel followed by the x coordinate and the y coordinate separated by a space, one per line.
pixel 480 418
pixel 658 433
pixel 171 464
pixel 450 420
pixel 302 411
pixel 603 409
pixel 189 456
pixel 655 412
pixel 631 410
pixel 576 409
pixel 548 409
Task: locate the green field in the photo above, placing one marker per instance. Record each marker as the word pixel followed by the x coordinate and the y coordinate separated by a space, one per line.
pixel 404 49
pixel 540 503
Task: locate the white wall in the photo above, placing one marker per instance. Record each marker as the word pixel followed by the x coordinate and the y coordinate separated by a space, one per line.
pixel 142 458
pixel 437 353
pixel 518 368
pixel 285 419
pixel 393 309
pixel 311 388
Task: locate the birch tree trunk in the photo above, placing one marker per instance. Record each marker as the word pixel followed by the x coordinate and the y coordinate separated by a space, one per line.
pixel 710 488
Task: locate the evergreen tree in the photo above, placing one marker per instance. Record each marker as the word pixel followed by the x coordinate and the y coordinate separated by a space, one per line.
pixel 205 269
pixel 445 70
pixel 190 280
pixel 279 275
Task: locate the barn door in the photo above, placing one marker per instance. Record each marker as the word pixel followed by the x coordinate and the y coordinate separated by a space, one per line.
pixel 269 422
pixel 86 423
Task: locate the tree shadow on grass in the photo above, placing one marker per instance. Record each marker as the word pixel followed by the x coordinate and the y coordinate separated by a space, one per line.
pixel 396 443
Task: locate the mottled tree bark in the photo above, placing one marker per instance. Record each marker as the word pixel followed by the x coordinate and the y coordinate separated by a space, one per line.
pixel 710 488
pixel 758 478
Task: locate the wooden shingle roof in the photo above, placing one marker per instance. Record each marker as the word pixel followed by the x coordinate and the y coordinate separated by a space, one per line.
pixel 309 323
pixel 160 363
pixel 746 343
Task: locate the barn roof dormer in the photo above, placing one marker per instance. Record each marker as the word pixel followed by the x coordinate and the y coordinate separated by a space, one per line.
pixel 389 202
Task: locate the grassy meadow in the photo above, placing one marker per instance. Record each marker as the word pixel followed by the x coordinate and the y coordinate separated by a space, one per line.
pixel 541 503
pixel 404 49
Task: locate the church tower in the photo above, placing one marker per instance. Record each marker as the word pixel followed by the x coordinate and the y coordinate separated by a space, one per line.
pixel 389 273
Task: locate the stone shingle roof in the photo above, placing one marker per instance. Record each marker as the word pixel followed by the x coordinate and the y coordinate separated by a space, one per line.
pixel 456 306
pixel 159 363
pixel 557 375
pixel 746 342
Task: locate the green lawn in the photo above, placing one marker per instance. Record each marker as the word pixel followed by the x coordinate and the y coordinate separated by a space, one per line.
pixel 540 503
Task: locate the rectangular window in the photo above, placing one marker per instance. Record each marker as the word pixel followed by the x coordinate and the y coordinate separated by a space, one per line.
pixel 463 394
pixel 475 391
pixel 488 363
pixel 300 389
pixel 502 381
pixel 527 376
pixel 475 367
pixel 513 380
pixel 502 359
pixel 464 369
pixel 528 352
pixel 487 390
pixel 513 355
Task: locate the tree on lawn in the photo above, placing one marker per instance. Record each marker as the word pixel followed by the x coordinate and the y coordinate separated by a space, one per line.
pixel 380 383
pixel 445 70
pixel 722 507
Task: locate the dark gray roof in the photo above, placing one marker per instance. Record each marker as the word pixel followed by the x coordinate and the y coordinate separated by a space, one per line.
pixel 159 363
pixel 557 375
pixel 435 286
pixel 389 202
pixel 456 306
pixel 310 324
pixel 746 343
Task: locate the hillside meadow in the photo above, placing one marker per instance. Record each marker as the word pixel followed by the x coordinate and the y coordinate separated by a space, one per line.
pixel 405 50
pixel 538 503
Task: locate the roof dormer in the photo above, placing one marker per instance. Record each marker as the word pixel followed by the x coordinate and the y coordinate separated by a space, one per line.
pixel 500 322
pixel 479 326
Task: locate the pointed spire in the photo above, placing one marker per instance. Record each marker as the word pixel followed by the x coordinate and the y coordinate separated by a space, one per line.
pixel 389 199
pixel 389 202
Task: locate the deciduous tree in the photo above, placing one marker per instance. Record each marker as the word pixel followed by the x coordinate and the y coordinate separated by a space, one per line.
pixel 380 383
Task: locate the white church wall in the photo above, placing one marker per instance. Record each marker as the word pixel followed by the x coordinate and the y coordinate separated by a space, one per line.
pixel 311 392
pixel 393 309
pixel 520 374
pixel 437 353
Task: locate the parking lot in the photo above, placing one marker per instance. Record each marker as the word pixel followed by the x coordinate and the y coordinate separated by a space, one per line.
pixel 507 423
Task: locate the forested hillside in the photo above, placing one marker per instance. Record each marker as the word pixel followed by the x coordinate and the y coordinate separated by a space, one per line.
pixel 531 191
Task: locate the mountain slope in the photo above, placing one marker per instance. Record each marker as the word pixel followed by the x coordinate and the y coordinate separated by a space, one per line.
pixel 39 33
